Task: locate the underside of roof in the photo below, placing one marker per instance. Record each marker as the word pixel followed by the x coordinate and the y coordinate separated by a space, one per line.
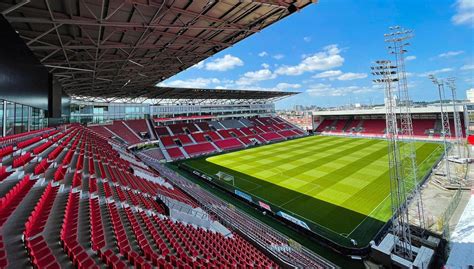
pixel 123 48
pixel 168 95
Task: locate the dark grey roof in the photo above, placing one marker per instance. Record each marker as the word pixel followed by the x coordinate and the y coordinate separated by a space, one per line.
pixel 119 47
pixel 168 95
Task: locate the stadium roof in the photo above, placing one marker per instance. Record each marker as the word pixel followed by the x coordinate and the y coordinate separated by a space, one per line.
pixel 167 95
pixel 380 110
pixel 96 48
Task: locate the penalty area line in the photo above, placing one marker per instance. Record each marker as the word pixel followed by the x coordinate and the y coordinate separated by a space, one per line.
pixel 373 210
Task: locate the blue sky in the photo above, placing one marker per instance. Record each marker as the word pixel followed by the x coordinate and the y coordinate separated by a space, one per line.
pixel 325 51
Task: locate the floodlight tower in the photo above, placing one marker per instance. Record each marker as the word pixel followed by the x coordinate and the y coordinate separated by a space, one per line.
pixel 451 82
pixel 446 130
pixel 386 76
pixel 397 39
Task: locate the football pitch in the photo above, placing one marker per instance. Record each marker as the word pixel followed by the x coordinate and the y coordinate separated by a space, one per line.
pixel 338 186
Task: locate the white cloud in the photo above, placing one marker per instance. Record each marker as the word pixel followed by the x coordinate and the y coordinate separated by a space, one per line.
pixel 265 65
pixel 328 74
pixel 467 67
pixel 352 76
pixel 263 54
pixel 307 39
pixel 450 54
pixel 279 87
pixel 199 65
pixel 278 56
pixel 255 76
pixel 464 13
pixel 190 83
pixel 339 75
pixel 434 72
pixel 324 60
pixel 225 63
pixel 410 58
pixel 321 89
pixel 283 86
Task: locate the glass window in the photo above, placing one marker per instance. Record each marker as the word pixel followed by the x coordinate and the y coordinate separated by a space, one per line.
pixel 1 117
pixel 36 119
pixel 10 116
pixel 19 126
pixel 26 118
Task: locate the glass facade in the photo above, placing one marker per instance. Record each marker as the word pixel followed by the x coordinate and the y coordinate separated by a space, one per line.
pixel 88 112
pixel 17 118
pixel 97 113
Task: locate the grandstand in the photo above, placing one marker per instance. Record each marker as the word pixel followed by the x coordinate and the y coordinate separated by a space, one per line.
pixel 370 122
pixel 102 168
pixel 81 184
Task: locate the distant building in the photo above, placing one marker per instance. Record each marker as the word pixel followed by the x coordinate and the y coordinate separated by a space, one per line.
pixel 470 95
pixel 298 108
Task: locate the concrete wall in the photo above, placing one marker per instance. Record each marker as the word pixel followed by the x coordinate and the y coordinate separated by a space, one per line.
pixel 23 79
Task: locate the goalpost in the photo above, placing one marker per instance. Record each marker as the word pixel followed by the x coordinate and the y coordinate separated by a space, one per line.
pixel 226 177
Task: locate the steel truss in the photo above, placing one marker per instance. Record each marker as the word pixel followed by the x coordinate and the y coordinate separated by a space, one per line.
pixel 100 47
pixel 451 82
pixel 387 76
pixel 397 39
pixel 445 130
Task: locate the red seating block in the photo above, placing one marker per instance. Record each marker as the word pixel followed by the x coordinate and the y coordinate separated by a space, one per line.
pixel 6 151
pixel 28 142
pixel 229 144
pixel 198 149
pixel 175 153
pixel 3 173
pixel 22 160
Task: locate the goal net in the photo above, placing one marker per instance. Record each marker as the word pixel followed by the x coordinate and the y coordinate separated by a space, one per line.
pixel 224 176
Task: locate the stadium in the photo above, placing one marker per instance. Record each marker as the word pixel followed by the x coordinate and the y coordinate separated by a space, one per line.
pixel 105 165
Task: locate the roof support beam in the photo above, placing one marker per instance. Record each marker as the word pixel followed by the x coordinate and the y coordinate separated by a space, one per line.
pixel 14 7
pixel 135 25
pixel 43 34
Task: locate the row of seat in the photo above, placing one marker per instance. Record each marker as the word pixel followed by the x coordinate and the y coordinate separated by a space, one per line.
pixel 421 127
pixel 211 137
pixel 102 193
pixel 264 235
pixel 16 138
pixel 69 234
pixel 14 196
pixel 40 254
pixel 130 131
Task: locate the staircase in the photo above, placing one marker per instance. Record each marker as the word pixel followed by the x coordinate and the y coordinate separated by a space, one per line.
pixel 151 130
pixel 438 126
pixel 348 123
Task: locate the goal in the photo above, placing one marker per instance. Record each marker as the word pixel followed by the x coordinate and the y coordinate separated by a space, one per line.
pixel 226 177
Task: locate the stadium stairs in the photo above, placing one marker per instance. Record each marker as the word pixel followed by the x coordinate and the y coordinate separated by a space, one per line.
pixel 263 235
pixel 187 140
pixel 72 197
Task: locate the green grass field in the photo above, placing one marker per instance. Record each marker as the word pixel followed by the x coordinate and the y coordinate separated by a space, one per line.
pixel 339 186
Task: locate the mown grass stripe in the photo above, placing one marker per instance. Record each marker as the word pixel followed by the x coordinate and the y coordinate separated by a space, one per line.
pixel 332 182
pixel 272 150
